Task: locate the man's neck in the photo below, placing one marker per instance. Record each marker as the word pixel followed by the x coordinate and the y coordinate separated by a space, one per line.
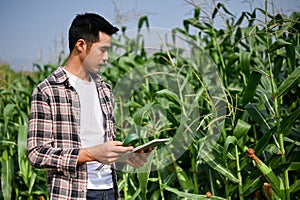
pixel 78 71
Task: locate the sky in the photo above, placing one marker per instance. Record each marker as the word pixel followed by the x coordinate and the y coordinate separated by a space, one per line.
pixel 35 31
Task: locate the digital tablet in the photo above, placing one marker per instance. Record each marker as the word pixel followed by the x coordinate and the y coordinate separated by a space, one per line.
pixel 151 144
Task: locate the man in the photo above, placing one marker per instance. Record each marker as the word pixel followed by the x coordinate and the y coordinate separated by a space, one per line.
pixel 71 126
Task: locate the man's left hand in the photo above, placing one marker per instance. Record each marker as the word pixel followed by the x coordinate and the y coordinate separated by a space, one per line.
pixel 138 159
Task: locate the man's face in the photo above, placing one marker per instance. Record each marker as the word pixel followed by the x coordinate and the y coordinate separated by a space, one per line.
pixel 97 55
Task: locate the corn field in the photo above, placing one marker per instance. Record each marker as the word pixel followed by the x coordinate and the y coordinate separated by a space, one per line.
pixel 253 109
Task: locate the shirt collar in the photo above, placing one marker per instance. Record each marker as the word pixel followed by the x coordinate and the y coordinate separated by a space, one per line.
pixel 61 76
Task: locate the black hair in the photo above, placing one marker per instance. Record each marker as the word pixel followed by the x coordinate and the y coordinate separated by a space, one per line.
pixel 87 26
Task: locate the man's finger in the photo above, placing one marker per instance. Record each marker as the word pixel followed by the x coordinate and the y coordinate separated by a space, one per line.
pixel 117 143
pixel 121 149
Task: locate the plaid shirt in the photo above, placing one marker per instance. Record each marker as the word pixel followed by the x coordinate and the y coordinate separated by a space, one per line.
pixel 53 135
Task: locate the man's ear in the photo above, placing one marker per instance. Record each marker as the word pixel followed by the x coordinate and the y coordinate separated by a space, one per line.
pixel 80 45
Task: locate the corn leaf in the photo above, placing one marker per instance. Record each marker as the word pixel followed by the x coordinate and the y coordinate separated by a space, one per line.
pixel 278 44
pixel 251 87
pixel 136 194
pixel 216 10
pixel 189 195
pixel 214 161
pixel 233 58
pixel 8 110
pixel 24 117
pixel 263 143
pixel 142 20
pixel 143 174
pixel 245 58
pixel 142 114
pixel 8 143
pixel 32 181
pixel 294 166
pixel 295 187
pixel 184 181
pixel 293 22
pixel 278 65
pixel 196 12
pixel 287 123
pixel 172 118
pixel 193 22
pixel 252 182
pixel 288 83
pixel 241 129
pixel 22 142
pixel 229 140
pixel 155 195
pixel 241 19
pixel 290 56
pixel 6 177
pixel 258 117
pixel 171 96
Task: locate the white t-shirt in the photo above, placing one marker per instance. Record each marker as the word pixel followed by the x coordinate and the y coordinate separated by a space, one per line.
pixel 91 130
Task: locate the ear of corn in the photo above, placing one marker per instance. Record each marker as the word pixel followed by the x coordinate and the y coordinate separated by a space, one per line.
pixel 275 182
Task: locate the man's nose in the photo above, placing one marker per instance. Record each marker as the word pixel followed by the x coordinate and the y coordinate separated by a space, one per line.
pixel 105 56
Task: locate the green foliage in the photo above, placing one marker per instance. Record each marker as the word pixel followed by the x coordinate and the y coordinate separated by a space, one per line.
pixel 18 179
pixel 258 67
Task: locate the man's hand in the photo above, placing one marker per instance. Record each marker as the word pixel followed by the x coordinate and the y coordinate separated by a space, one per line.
pixel 108 152
pixel 138 160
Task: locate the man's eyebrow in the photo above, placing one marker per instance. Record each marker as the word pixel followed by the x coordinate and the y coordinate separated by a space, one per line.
pixel 105 47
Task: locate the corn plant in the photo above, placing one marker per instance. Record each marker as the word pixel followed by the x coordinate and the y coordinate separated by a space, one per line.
pixel 259 69
pixel 18 179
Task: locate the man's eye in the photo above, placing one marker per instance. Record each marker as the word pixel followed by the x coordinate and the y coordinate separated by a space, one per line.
pixel 104 49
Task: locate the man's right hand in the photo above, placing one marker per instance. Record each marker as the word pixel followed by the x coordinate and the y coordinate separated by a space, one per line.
pixel 106 153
